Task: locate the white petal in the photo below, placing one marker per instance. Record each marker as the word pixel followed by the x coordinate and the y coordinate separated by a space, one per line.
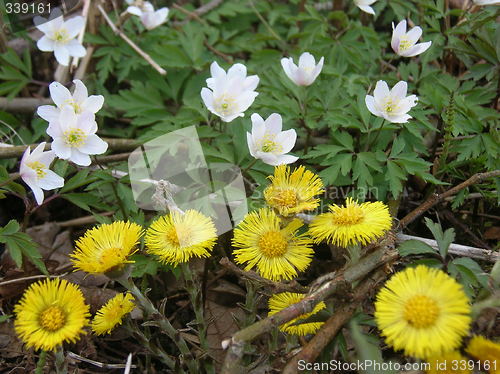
pixel 136 11
pixel 370 104
pixel 42 24
pixel 306 60
pixel 237 71
pixel 366 9
pixel 287 140
pixel 37 192
pixel 251 145
pixel 286 159
pixel 231 117
pixel 45 44
pixel 246 99
pixel 61 53
pixel 67 118
pixel 216 71
pixel 414 34
pixel 74 26
pixel 81 93
pixel 54 129
pixel 399 119
pixel 258 127
pixel 208 98
pixel 26 157
pixel 317 69
pixel 75 48
pixel 93 145
pixel 51 181
pixel 47 157
pixel 418 49
pixel 274 123
pixel 286 63
pixel 268 158
pixel 381 91
pixel 251 82
pixel 93 104
pixel 86 122
pixel 79 158
pixel 397 33
pixel 399 91
pixel 59 94
pixel 61 149
pixel 48 112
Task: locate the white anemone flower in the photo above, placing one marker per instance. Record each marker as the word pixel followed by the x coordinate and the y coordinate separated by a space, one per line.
pixel 60 37
pixel 35 171
pixel 393 105
pixel 146 12
pixel 486 2
pixel 405 43
pixel 74 137
pixel 268 143
pixel 307 71
pixel 364 5
pixel 80 101
pixel 229 94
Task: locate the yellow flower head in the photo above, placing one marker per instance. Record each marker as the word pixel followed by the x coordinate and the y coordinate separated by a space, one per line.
pixel 283 300
pixel 276 252
pixel 351 224
pixel 106 247
pixel 486 351
pixel 112 313
pixel 423 311
pixel 176 237
pixel 448 363
pixel 293 192
pixel 49 313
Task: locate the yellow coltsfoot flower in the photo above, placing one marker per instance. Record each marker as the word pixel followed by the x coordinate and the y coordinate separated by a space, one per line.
pixel 283 300
pixel 486 351
pixel 351 224
pixel 292 192
pixel 177 236
pixel 50 313
pixel 106 247
pixel 278 253
pixel 112 313
pixel 422 311
pixel 448 363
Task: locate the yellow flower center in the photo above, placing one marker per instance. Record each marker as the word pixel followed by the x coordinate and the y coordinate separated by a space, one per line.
pixel 53 318
pixel 61 35
pixel 390 106
pixel 404 44
pixel 39 168
pixel 110 257
pixel 179 236
pixel 269 145
pixel 74 137
pixel 225 104
pixel 350 215
pixel 286 198
pixel 76 107
pixel 421 311
pixel 273 244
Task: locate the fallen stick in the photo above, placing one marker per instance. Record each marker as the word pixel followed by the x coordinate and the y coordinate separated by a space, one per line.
pixel 332 326
pixel 134 46
pixel 456 249
pixel 113 144
pixel 22 104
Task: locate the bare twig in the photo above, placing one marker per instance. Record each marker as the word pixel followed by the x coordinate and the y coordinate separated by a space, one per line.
pixel 99 364
pixel 82 68
pixel 200 11
pixel 113 144
pixel 456 249
pixel 134 46
pixel 253 276
pixel 32 277
pixel 437 198
pixel 85 13
pixel 22 105
pixel 332 326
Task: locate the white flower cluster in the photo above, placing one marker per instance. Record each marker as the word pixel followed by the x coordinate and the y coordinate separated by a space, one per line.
pixel 72 127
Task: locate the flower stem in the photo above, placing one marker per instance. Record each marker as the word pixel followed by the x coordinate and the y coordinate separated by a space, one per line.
pixel 249 166
pixel 60 362
pixel 196 301
pixel 41 362
pixel 163 323
pixel 370 143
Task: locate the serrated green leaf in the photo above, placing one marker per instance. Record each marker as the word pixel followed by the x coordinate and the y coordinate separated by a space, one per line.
pixel 414 247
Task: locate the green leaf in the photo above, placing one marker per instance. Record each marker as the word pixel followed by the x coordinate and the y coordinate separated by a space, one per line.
pixel 443 239
pixel 10 228
pixel 5 317
pixel 414 247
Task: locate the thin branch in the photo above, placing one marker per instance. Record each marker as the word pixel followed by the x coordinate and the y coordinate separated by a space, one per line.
pixel 97 363
pixel 235 345
pixel 22 105
pixel 113 144
pixel 437 198
pixel 253 276
pixel 332 326
pixel 456 249
pixel 32 277
pixel 134 46
pixel 200 11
